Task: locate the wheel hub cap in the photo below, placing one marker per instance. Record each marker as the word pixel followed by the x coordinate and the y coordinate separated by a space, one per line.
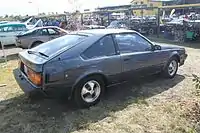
pixel 172 68
pixel 90 91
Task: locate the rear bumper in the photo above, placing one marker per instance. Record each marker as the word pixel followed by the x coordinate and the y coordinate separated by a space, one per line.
pixel 27 87
pixel 182 59
pixel 24 83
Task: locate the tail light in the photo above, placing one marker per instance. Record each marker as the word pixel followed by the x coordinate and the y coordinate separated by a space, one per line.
pixel 36 78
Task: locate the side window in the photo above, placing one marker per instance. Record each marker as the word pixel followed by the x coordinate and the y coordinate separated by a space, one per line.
pixel 42 32
pixel 3 29
pixel 129 43
pixel 19 28
pixel 52 32
pixel 10 29
pixel 104 47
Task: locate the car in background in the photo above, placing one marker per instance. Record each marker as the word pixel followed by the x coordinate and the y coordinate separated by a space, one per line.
pixel 82 64
pixel 38 36
pixel 8 32
pixel 118 24
pixel 93 27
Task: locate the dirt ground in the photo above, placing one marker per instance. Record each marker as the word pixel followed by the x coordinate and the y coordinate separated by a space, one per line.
pixel 150 105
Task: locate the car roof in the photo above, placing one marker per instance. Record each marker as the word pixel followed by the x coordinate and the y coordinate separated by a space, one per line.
pixel 105 31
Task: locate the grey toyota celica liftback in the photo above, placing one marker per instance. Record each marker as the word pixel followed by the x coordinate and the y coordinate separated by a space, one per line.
pixel 82 64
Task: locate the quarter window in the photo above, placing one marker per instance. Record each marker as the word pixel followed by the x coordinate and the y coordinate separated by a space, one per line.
pixel 129 43
pixel 103 47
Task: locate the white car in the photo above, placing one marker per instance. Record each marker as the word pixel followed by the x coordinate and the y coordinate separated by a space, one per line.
pixel 8 32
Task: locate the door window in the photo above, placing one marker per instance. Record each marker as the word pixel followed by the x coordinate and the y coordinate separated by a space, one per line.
pixel 52 32
pixel 19 28
pixel 42 32
pixel 103 47
pixel 129 43
pixel 10 29
pixel 4 29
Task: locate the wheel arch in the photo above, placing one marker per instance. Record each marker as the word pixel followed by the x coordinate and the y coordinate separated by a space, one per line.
pixel 35 42
pixel 174 54
pixel 91 74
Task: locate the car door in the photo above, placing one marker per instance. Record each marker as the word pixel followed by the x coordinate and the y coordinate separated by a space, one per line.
pixel 102 57
pixel 138 57
pixel 7 35
pixel 41 35
pixel 53 34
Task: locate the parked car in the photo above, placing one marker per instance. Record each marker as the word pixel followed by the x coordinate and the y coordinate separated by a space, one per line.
pixel 39 35
pixel 118 24
pixel 84 63
pixel 94 27
pixel 8 32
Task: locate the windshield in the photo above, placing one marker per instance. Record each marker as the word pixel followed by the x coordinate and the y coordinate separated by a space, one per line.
pixel 67 41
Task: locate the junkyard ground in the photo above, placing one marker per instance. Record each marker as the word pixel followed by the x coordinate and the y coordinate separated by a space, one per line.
pixel 150 105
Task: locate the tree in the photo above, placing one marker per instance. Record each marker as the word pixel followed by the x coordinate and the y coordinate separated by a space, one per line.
pixel 75 4
pixel 6 16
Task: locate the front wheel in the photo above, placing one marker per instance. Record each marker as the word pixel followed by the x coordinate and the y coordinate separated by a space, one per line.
pixel 89 91
pixel 171 68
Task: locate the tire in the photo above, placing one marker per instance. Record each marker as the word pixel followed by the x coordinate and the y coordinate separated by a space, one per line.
pixel 35 44
pixel 81 100
pixel 151 31
pixel 171 68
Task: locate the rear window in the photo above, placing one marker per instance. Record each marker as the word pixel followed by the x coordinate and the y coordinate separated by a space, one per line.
pixel 67 41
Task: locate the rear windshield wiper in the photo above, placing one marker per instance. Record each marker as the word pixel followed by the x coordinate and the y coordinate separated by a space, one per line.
pixel 34 52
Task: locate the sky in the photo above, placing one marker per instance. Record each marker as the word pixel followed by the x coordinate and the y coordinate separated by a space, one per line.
pixel 31 7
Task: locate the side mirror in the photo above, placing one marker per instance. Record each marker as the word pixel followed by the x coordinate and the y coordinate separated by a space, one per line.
pixel 157 47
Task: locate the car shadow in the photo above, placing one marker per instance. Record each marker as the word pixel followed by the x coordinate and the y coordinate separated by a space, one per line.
pixel 67 118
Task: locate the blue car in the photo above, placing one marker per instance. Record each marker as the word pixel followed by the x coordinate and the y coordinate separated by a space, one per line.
pixel 82 64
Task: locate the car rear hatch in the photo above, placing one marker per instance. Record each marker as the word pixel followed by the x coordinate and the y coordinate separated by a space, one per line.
pixel 31 65
pixel 33 60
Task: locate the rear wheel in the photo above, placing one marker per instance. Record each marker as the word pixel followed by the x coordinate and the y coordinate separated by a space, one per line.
pixel 171 68
pixel 89 91
pixel 36 44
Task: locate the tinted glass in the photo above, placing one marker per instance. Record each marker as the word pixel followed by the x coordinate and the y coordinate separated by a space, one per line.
pixel 132 43
pixel 42 32
pixel 52 32
pixel 67 41
pixel 104 47
pixel 19 28
pixel 10 29
pixel 4 29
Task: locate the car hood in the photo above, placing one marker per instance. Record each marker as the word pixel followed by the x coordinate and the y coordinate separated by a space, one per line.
pixel 33 61
pixel 167 46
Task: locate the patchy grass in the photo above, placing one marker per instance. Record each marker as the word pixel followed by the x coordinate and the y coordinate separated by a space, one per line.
pixel 150 105
pixel 10 89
